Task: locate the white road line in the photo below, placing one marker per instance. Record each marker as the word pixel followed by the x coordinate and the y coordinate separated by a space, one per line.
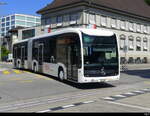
pixel 67 106
pixel 131 106
pixel 138 91
pixel 119 96
pixel 109 98
pixel 87 102
pixel 44 111
pixel 129 93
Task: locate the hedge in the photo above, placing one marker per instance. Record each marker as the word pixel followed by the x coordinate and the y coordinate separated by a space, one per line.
pixel 148 2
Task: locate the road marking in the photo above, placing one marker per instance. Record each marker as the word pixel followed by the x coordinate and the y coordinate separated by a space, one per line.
pixel 109 98
pixel 140 92
pixel 65 107
pixel 6 72
pixel 129 93
pixel 15 79
pixel 17 71
pixel 131 106
pixel 126 95
pixel 26 81
pixel 120 96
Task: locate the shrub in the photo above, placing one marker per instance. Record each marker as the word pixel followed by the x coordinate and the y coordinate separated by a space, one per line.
pixel 148 2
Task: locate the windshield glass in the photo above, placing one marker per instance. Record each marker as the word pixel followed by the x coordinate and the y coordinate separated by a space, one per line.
pixel 100 50
pixel 100 55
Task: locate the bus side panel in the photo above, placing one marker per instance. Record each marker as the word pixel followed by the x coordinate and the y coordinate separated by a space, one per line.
pixel 50 69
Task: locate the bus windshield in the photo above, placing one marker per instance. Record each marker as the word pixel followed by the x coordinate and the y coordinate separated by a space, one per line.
pixel 100 52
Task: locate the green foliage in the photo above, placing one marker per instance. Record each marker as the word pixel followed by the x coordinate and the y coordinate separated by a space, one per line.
pixel 148 2
pixel 5 52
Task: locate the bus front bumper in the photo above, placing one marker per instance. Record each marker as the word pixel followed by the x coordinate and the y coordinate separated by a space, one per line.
pixel 98 79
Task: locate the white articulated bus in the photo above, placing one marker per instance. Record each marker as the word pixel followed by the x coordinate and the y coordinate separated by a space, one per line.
pixel 74 54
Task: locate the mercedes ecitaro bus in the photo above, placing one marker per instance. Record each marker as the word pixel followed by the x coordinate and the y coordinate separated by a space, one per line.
pixel 74 54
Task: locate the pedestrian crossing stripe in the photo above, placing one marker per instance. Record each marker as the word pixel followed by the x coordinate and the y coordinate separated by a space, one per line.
pixel 127 95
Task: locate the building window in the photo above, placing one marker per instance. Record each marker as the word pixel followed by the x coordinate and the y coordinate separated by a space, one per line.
pixel 145 44
pixel 131 26
pixel 113 23
pixel 47 21
pixel 3 19
pixel 30 24
pixel 92 19
pixel 138 27
pixel 12 27
pixel 131 60
pixel 20 17
pixel 12 22
pixel 38 20
pixel 122 42
pixel 3 24
pixel 59 21
pixel 73 18
pixel 145 29
pixel 7 23
pixel 7 28
pixel 131 43
pixel 12 17
pixel 138 44
pixel 31 19
pixel 3 29
pixel 66 20
pixel 7 18
pixel 28 33
pixel 53 22
pixel 123 25
pixel 20 23
pixel 104 21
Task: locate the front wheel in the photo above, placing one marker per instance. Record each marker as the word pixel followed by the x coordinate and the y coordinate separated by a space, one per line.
pixel 61 75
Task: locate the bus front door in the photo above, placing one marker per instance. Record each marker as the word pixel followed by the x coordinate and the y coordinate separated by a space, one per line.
pixel 71 65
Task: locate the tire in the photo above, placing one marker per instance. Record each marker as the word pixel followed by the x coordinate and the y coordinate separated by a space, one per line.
pixel 61 75
pixel 34 68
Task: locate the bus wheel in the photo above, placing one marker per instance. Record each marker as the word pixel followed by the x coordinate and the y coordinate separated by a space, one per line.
pixel 35 68
pixel 61 75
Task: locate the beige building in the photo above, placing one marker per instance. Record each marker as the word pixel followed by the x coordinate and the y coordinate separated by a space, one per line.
pixel 129 19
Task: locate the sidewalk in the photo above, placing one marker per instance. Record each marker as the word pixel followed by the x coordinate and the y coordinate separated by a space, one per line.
pixel 136 67
pixel 5 62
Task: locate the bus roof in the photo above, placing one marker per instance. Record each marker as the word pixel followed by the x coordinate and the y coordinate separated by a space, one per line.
pixel 96 32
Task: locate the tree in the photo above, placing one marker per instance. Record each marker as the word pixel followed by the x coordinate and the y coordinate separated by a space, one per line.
pixel 5 53
pixel 148 2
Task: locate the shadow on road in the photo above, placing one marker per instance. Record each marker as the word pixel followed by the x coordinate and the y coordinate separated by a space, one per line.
pixel 77 85
pixel 89 85
pixel 139 73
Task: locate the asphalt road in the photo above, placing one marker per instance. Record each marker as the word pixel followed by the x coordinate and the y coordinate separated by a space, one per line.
pixel 24 91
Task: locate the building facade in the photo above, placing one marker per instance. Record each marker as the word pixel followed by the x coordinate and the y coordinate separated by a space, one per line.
pixel 130 22
pixel 17 20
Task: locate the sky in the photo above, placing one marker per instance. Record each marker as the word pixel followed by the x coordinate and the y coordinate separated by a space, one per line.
pixel 22 6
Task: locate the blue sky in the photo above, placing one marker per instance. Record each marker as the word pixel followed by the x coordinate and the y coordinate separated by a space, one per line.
pixel 22 6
